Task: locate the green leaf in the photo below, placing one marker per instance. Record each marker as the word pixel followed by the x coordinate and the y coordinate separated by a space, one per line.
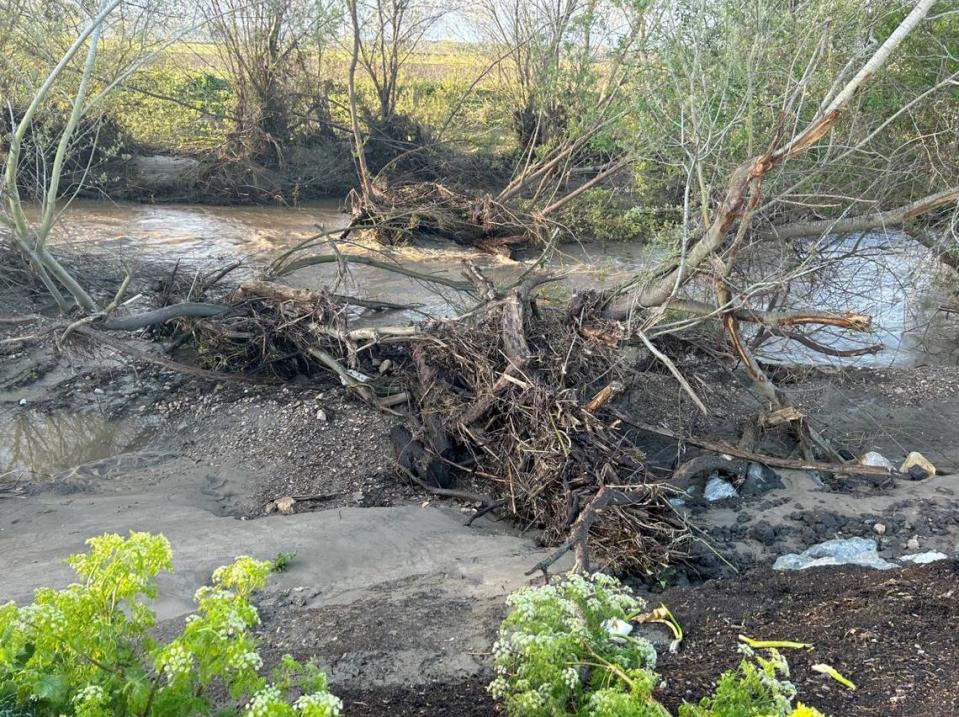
pixel 51 688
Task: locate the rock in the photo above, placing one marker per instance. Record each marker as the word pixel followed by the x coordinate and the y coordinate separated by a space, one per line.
pixel 658 635
pixel 718 489
pixel 930 556
pixel 917 460
pixel 917 473
pixel 913 543
pixel 285 504
pixel 760 479
pixel 321 415
pixel 840 551
pixel 763 532
pixel 879 529
pixel 385 366
pixel 875 459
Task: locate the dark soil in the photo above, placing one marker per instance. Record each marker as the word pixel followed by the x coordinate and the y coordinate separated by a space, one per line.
pixel 458 699
pixel 892 633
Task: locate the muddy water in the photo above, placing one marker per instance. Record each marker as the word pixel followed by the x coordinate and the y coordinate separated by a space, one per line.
pixel 890 278
pixel 39 444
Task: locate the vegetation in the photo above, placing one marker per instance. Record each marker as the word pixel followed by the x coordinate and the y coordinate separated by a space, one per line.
pixel 89 650
pixel 567 649
pixel 680 93
pixel 282 561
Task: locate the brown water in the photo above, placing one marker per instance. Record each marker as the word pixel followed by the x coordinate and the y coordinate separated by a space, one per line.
pixel 890 278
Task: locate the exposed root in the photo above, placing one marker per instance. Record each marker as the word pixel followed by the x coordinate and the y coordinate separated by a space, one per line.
pixel 515 399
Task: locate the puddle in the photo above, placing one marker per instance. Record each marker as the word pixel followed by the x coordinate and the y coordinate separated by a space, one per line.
pixel 36 444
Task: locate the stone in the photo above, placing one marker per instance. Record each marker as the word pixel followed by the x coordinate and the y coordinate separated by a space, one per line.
pixel 876 460
pixel 763 532
pixel 929 556
pixel 839 551
pixel 913 543
pixel 916 459
pixel 760 479
pixel 718 489
pixel 917 473
pixel 879 529
pixel 285 504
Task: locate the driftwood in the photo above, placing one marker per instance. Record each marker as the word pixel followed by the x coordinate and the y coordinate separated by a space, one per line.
pixel 722 447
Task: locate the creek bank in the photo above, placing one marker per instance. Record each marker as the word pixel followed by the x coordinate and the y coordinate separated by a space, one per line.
pixel 388 588
pixel 892 633
pixel 400 602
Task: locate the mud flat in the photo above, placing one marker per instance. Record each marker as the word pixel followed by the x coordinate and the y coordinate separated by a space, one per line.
pixel 411 563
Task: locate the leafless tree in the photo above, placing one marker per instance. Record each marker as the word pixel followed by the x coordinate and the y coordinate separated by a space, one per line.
pixel 266 46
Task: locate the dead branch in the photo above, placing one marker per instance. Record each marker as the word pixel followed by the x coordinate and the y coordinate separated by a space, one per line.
pixel 161 316
pixel 316 259
pixel 853 469
pixel 864 223
pixel 101 338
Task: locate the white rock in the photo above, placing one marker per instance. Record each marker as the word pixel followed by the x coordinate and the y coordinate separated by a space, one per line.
pixel 876 459
pixel 839 551
pixel 285 504
pixel 930 556
pixel 719 489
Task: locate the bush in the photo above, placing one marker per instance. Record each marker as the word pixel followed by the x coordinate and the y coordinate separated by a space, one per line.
pixel 606 215
pixel 566 649
pixel 559 652
pixel 88 650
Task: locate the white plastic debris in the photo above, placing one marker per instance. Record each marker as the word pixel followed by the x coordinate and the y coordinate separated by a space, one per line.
pixel 617 629
pixel 929 556
pixel 840 551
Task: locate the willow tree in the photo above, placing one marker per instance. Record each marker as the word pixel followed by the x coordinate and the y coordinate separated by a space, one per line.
pixel 272 51
pixel 66 87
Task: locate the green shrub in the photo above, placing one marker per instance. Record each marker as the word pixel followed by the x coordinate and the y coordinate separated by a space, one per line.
pixel 558 652
pixel 88 650
pixel 758 687
pixel 566 649
pixel 601 214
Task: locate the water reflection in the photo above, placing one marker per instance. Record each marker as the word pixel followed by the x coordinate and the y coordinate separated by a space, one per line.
pixel 47 444
pixel 889 277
